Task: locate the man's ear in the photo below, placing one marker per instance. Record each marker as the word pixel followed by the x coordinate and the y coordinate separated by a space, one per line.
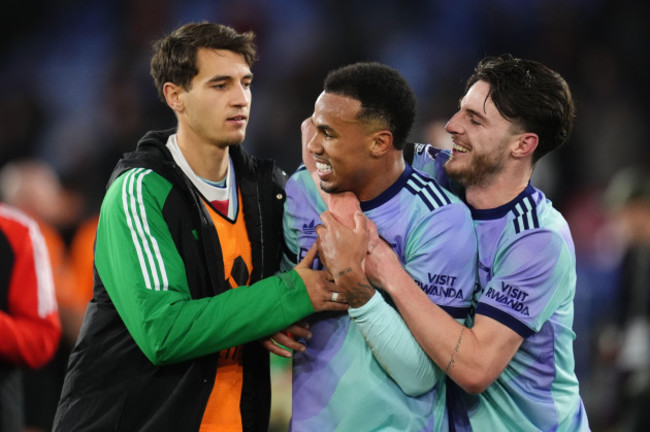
pixel 526 145
pixel 382 142
pixel 173 95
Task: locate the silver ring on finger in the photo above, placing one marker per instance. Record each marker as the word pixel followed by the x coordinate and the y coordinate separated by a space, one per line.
pixel 335 296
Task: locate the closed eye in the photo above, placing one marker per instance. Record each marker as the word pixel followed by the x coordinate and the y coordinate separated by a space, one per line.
pixel 326 131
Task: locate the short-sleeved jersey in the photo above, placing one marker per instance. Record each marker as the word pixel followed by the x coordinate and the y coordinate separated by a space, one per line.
pixel 337 383
pixel 527 273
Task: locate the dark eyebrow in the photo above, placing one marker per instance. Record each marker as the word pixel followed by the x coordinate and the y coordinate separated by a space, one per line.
pixel 476 114
pixel 227 77
pixel 220 78
pixel 325 128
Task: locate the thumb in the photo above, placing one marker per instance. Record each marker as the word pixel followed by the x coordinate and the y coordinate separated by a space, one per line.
pixel 328 219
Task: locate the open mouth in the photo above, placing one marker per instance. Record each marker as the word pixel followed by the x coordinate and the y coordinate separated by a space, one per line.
pixel 323 168
pixel 460 149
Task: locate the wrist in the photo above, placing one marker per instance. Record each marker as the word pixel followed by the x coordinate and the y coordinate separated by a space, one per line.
pixel 391 276
pixel 353 283
pixel 371 306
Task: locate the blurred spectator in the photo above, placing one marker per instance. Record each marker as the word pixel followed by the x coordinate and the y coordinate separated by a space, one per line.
pixel 34 187
pixel 628 195
pixel 29 322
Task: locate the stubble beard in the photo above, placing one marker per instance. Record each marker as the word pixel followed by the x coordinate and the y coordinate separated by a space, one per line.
pixel 482 168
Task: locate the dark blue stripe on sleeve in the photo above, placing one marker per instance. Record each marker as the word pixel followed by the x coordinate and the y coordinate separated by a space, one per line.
pixel 535 220
pixel 434 196
pixel 505 319
pixel 456 312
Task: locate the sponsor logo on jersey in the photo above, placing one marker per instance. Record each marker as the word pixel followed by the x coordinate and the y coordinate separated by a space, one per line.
pixel 441 285
pixel 511 296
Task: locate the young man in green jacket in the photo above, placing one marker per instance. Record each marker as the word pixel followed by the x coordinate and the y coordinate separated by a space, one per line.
pixel 188 242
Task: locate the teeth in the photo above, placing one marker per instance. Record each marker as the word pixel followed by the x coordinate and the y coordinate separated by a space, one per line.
pixel 323 167
pixel 460 149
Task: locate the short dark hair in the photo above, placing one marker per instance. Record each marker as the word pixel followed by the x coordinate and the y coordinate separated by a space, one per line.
pixel 174 58
pixel 530 95
pixel 384 95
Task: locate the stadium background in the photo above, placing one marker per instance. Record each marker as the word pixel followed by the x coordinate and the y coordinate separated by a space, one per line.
pixel 75 93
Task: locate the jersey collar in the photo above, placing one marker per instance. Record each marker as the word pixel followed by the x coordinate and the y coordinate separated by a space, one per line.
pixel 501 211
pixel 388 193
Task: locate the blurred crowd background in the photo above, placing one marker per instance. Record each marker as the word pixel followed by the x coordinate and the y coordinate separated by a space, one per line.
pixel 75 93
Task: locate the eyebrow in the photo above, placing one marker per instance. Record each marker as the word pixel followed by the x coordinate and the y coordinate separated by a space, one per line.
pixel 228 77
pixel 325 128
pixel 476 114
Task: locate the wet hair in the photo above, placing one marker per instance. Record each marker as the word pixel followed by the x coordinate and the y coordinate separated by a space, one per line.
pixel 530 95
pixel 384 95
pixel 174 58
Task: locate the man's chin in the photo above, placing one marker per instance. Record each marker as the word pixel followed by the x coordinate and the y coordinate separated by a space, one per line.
pixel 233 142
pixel 331 189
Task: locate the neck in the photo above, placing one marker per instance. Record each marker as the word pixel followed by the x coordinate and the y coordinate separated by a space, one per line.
pixel 498 190
pixel 206 159
pixel 387 170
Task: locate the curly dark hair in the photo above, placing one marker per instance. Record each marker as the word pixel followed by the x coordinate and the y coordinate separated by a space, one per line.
pixel 530 95
pixel 384 95
pixel 174 58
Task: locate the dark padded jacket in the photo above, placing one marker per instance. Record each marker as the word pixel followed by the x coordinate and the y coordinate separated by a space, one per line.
pixel 110 383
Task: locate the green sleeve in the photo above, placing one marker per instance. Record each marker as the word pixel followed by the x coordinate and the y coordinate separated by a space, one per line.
pixel 145 277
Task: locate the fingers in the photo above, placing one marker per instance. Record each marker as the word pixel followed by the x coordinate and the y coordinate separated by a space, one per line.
pixel 299 330
pixel 373 234
pixel 290 342
pixel 280 341
pixel 339 307
pixel 360 221
pixel 342 206
pixel 328 219
pixel 331 222
pixel 275 349
pixel 338 297
pixel 310 256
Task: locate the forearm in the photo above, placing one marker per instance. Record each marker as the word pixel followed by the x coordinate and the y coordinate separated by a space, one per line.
pixel 170 331
pixel 29 341
pixel 453 347
pixel 394 347
pixel 146 277
pixel 388 337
